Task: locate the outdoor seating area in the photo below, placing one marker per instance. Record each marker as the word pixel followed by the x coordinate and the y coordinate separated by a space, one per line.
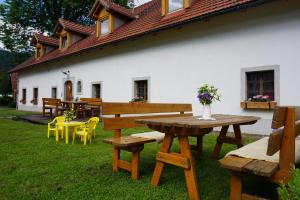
pixel 83 108
pixel 171 121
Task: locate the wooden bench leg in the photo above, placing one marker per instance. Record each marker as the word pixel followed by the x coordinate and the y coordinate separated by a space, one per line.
pixel 219 143
pixel 167 142
pixel 190 174
pixel 116 158
pixel 235 186
pixel 135 164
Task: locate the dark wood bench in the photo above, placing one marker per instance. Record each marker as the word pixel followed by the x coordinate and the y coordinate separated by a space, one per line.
pixel 286 128
pixel 93 105
pixel 135 144
pixel 51 104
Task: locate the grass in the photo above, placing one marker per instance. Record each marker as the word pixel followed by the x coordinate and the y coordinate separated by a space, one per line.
pixel 35 167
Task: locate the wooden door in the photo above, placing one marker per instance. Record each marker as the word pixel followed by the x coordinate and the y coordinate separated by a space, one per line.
pixel 68 91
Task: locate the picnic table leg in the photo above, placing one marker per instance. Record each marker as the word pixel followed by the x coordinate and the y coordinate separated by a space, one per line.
pixel 159 167
pixel 190 174
pixel 238 135
pixel 220 141
pixel 199 145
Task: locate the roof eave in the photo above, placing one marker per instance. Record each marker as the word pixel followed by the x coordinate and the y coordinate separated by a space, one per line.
pixel 198 18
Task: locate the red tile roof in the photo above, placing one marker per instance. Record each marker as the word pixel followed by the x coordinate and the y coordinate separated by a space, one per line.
pixel 73 27
pixel 149 20
pixel 52 41
pixel 111 6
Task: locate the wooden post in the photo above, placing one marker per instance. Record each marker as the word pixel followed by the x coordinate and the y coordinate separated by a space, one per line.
pixel 235 186
pixel 219 143
pixel 135 164
pixel 190 174
pixel 238 135
pixel 159 167
pixel 116 150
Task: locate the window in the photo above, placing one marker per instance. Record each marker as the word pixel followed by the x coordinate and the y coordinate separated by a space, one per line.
pixel 23 100
pixel 79 87
pixel 141 89
pixel 64 42
pixel 96 90
pixel 174 5
pixel 54 92
pixel 104 27
pixel 260 83
pixel 35 96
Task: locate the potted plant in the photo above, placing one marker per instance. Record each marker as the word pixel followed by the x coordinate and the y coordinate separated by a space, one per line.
pixel 207 95
pixel 69 115
pixel 259 102
pixel 138 100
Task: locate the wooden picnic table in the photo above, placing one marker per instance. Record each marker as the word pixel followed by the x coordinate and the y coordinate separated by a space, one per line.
pixel 182 127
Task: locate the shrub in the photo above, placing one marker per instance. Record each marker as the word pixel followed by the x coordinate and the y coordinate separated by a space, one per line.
pixel 6 101
pixel 292 190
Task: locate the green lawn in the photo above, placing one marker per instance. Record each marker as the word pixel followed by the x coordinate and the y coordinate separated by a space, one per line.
pixel 35 167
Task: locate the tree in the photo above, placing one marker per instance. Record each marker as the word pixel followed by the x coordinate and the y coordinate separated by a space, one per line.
pixel 21 18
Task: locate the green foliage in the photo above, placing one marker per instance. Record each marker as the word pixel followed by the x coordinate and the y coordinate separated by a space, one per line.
pixel 21 18
pixel 34 167
pixel 5 84
pixel 208 94
pixel 292 190
pixel 125 3
pixel 6 101
pixel 69 115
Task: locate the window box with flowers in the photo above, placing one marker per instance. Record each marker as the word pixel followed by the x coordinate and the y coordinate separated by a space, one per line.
pixel 259 102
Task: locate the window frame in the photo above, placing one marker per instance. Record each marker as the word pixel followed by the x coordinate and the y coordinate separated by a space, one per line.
pixel 100 26
pixel 54 87
pixel 101 89
pixel 168 7
pixel 24 96
pixel 77 91
pixel 35 99
pixel 275 68
pixel 134 89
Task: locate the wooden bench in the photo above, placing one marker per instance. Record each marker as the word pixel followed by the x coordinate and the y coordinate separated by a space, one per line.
pixel 135 144
pixel 93 105
pixel 286 127
pixel 50 104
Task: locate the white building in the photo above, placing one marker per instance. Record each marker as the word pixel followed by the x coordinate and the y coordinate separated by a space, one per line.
pixel 164 53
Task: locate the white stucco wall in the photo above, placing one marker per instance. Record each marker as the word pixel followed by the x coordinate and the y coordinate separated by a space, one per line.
pixel 180 60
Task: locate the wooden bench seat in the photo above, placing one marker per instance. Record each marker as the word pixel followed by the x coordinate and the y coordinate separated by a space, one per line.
pixel 270 158
pixel 112 120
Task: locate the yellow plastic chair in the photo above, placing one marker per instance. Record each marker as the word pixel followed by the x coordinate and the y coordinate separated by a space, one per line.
pixel 55 123
pixel 87 130
pixel 93 118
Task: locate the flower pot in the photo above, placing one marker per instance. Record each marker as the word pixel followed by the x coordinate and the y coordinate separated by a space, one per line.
pixel 206 112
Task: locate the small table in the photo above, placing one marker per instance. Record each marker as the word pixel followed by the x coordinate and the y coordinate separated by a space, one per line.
pixel 182 127
pixel 66 126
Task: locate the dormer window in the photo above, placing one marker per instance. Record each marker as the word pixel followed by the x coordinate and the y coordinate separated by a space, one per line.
pixel 170 6
pixel 174 5
pixel 43 44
